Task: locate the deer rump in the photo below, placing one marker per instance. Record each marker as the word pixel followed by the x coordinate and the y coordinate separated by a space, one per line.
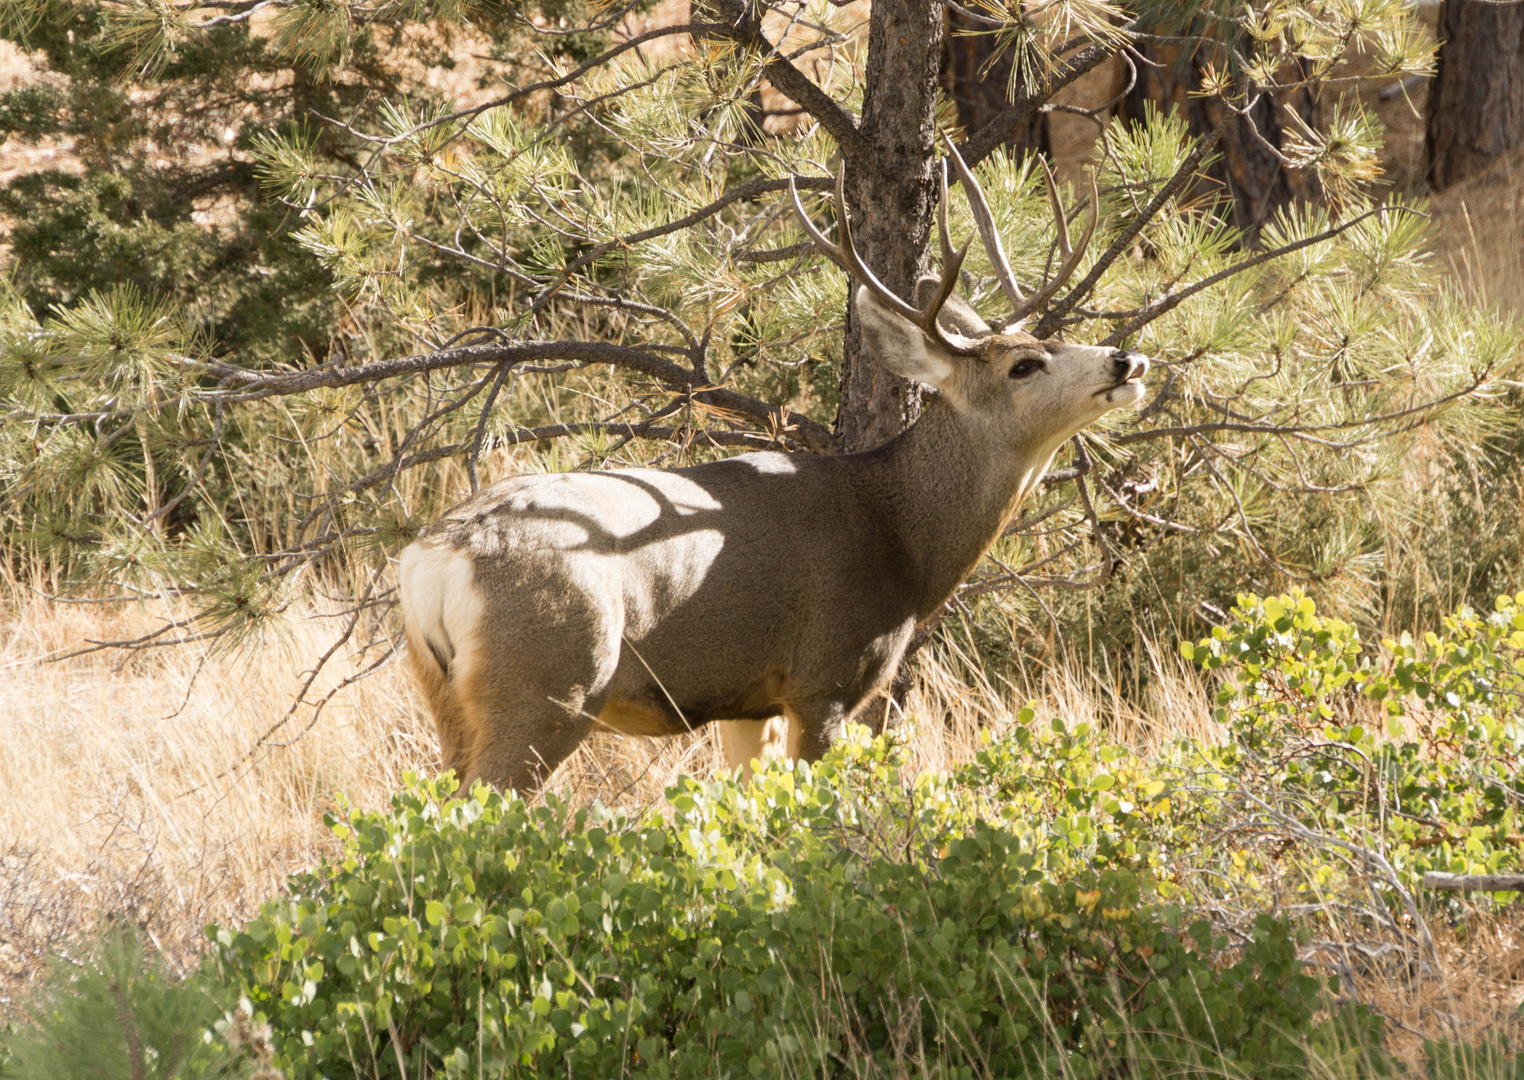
pixel 652 602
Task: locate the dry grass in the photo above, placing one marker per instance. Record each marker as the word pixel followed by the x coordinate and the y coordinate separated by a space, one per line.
pixel 1478 991
pixel 127 786
pixel 1480 223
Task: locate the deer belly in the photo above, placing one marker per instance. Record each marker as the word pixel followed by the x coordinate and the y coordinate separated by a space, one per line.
pixel 672 711
pixel 630 716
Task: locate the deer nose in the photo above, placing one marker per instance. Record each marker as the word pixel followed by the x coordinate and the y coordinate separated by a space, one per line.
pixel 1128 365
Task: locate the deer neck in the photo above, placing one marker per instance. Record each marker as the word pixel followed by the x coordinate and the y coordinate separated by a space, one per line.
pixel 949 489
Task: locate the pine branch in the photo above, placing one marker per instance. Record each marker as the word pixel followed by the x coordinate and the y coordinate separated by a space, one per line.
pixel 744 191
pixel 1053 318
pixel 524 91
pixel 1154 309
pixel 741 22
pixel 983 142
pixel 256 385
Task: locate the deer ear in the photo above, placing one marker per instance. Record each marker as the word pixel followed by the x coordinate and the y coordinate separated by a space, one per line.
pixel 956 314
pixel 899 345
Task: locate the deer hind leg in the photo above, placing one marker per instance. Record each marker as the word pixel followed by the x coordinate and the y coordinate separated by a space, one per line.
pixel 449 718
pixel 441 610
pixel 520 740
pixel 526 667
pixel 745 741
pixel 533 696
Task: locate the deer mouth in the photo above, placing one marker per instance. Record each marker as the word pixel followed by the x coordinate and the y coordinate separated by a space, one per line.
pixel 1135 382
pixel 1123 393
pixel 1133 377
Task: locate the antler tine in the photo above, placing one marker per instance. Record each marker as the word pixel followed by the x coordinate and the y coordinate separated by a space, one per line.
pixel 943 236
pixel 925 319
pixel 989 236
pixel 1059 218
pixel 1071 256
pixel 835 253
pixel 845 255
pixel 952 262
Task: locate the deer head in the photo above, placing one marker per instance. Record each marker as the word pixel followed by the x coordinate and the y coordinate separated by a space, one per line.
pixel 997 376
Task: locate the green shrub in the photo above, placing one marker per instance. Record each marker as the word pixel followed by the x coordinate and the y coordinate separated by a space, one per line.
pixel 1035 911
pixel 1440 789
pixel 824 916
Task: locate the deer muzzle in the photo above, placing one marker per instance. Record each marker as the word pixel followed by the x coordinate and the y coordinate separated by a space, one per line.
pixel 1129 366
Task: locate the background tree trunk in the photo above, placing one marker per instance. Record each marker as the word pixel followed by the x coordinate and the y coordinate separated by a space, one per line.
pixel 1253 177
pixel 1476 105
pixel 976 78
pixel 892 195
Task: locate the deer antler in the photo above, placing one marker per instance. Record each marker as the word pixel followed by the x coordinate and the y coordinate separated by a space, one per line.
pixel 845 255
pixel 985 221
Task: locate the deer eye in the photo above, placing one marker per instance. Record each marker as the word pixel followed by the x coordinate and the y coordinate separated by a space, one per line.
pixel 1024 367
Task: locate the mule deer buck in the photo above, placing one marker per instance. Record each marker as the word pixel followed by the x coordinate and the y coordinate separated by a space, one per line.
pixel 758 589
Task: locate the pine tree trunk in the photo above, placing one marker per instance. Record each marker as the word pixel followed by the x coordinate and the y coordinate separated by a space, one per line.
pixel 893 200
pixel 1476 105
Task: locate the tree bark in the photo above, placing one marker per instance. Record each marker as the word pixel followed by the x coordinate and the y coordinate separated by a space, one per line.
pixel 1476 105
pixel 893 197
pixel 1249 172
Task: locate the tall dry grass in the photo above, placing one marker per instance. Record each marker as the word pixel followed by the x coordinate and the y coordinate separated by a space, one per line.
pixel 134 786
pixel 1481 232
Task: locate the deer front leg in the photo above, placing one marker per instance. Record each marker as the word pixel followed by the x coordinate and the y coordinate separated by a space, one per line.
pixel 803 733
pixel 814 725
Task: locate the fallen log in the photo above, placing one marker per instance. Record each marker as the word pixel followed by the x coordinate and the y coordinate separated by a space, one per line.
pixel 1474 882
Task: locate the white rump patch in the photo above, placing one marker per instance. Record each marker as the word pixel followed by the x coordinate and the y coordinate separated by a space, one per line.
pixel 440 606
